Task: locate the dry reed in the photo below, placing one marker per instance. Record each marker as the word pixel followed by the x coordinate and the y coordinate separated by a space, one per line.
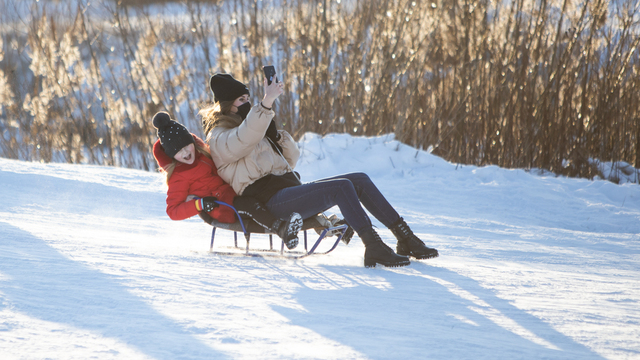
pixel 550 85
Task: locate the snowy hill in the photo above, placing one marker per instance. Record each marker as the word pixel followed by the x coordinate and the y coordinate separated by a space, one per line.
pixel 531 267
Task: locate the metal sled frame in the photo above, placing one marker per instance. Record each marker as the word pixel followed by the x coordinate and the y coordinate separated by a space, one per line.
pixel 249 228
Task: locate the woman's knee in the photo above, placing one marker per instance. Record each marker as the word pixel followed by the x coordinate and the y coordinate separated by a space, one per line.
pixel 343 185
pixel 359 177
pixel 335 189
pixel 360 180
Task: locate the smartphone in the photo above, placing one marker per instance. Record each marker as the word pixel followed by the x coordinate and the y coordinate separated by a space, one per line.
pixel 269 73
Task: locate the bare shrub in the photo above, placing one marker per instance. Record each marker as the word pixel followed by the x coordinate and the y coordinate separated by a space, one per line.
pixel 539 84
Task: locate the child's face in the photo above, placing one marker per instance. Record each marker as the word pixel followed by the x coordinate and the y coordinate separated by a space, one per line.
pixel 187 154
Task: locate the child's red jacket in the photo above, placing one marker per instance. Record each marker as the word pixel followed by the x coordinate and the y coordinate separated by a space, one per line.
pixel 200 179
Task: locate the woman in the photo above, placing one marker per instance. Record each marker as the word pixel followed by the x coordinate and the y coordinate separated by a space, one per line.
pixel 258 161
pixel 194 185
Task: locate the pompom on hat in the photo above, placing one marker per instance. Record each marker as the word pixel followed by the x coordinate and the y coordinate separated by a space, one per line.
pixel 226 88
pixel 173 135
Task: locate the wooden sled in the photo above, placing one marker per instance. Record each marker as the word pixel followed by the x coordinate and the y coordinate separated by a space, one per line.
pixel 250 227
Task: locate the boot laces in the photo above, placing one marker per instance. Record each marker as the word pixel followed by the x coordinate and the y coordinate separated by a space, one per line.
pixel 408 235
pixel 382 243
pixel 404 229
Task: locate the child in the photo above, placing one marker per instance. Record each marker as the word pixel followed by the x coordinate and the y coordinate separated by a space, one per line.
pixel 194 184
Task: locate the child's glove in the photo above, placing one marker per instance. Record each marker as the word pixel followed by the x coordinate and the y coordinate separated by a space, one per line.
pixel 207 203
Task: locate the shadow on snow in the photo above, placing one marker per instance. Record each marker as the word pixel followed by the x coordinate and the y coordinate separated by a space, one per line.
pixel 44 284
pixel 427 312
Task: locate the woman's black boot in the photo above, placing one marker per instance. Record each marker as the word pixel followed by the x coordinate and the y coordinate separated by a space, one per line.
pixel 409 244
pixel 377 252
pixel 287 229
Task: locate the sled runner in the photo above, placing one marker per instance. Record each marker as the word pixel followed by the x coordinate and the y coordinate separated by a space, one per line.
pixel 249 227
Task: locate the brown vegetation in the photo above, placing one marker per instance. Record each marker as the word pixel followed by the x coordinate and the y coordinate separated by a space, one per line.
pixel 551 85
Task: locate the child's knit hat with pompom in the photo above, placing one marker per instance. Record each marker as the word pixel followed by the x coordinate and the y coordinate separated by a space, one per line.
pixel 173 135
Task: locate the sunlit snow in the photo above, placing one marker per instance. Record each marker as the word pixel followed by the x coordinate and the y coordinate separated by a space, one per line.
pixel 530 267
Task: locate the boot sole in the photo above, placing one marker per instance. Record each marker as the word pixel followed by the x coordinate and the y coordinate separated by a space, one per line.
pixel 292 244
pixel 372 263
pixel 419 257
pixel 295 224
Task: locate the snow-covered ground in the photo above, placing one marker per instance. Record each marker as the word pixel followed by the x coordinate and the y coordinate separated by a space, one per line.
pixel 530 267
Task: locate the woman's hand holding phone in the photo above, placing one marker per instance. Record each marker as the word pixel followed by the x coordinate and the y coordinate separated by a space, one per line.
pixel 272 89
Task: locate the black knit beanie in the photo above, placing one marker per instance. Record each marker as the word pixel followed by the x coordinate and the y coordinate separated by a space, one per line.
pixel 226 88
pixel 173 135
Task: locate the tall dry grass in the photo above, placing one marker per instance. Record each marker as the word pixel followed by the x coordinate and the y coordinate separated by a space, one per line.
pixel 540 84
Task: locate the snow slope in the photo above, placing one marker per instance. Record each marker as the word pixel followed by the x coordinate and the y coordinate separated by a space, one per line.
pixel 531 267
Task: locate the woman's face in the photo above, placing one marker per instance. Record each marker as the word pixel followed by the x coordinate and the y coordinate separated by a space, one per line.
pixel 187 154
pixel 239 101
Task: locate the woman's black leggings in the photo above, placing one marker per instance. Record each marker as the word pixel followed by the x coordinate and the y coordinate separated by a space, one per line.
pixel 349 192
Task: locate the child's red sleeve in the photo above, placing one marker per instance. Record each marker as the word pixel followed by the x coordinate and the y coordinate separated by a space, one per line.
pixel 177 208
